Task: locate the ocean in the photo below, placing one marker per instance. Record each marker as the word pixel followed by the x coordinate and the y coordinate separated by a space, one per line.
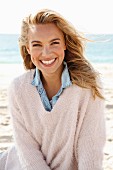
pixel 100 50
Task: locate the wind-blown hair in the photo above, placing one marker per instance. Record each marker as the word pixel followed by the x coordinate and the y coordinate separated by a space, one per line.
pixel 81 71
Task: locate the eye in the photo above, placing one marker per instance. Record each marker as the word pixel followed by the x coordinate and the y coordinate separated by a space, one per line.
pixel 55 42
pixel 37 45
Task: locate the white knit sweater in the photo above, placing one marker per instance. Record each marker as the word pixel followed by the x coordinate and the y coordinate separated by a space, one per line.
pixel 70 137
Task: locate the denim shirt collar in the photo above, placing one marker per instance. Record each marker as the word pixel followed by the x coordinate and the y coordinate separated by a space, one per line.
pixel 65 79
pixel 36 81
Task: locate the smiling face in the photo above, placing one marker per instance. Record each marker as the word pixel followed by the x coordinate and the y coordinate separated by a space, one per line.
pixel 46 46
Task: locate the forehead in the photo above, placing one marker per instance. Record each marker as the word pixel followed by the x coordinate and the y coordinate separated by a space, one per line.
pixel 41 31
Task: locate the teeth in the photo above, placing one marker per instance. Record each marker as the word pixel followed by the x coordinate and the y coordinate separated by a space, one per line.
pixel 48 62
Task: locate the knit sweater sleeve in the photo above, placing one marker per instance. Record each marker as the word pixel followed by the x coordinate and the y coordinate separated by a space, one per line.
pixel 92 135
pixel 28 149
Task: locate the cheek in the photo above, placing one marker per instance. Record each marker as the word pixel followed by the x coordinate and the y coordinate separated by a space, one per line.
pixel 60 51
pixel 34 54
pixel 33 58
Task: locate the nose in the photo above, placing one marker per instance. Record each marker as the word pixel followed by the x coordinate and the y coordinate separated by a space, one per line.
pixel 45 51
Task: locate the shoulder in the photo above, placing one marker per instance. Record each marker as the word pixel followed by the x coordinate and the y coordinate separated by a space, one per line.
pixel 80 91
pixel 22 81
pixel 86 101
pixel 84 96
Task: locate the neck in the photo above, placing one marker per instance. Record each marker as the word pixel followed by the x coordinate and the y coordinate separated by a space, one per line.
pixel 51 79
pixel 52 83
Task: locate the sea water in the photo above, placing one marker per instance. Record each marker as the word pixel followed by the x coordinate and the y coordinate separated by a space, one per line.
pixel 99 50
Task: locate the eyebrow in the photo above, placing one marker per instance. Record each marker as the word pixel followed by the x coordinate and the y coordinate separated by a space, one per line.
pixel 36 41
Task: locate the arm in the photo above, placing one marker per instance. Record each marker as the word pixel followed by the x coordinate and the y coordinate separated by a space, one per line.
pixel 30 156
pixel 92 136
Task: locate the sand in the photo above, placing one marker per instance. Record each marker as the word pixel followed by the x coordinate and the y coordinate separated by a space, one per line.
pixel 9 71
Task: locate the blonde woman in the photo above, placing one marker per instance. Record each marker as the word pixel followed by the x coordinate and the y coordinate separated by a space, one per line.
pixel 57 106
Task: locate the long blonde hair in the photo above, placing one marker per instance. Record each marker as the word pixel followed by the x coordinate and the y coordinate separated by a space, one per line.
pixel 81 71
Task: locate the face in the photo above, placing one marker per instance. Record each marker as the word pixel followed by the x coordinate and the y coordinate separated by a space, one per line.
pixel 46 46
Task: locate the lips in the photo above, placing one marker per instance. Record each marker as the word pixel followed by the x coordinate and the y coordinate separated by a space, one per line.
pixel 48 62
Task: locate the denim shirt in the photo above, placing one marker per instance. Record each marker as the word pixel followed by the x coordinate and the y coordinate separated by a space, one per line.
pixel 66 82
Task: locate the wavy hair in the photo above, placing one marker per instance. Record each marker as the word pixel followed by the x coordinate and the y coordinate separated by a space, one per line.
pixel 81 71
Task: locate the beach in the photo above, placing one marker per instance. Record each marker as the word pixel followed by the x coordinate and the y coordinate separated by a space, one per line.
pixel 9 71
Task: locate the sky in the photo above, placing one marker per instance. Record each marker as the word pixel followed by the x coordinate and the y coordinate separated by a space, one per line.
pixel 88 16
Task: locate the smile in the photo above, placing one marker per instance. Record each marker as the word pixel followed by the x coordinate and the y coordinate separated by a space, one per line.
pixel 48 62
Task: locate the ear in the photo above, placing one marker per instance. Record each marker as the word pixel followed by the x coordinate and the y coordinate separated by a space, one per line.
pixel 28 50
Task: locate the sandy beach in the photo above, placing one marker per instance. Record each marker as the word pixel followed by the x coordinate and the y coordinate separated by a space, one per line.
pixel 9 71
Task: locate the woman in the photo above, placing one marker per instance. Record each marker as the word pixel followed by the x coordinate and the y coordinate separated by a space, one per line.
pixel 57 105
